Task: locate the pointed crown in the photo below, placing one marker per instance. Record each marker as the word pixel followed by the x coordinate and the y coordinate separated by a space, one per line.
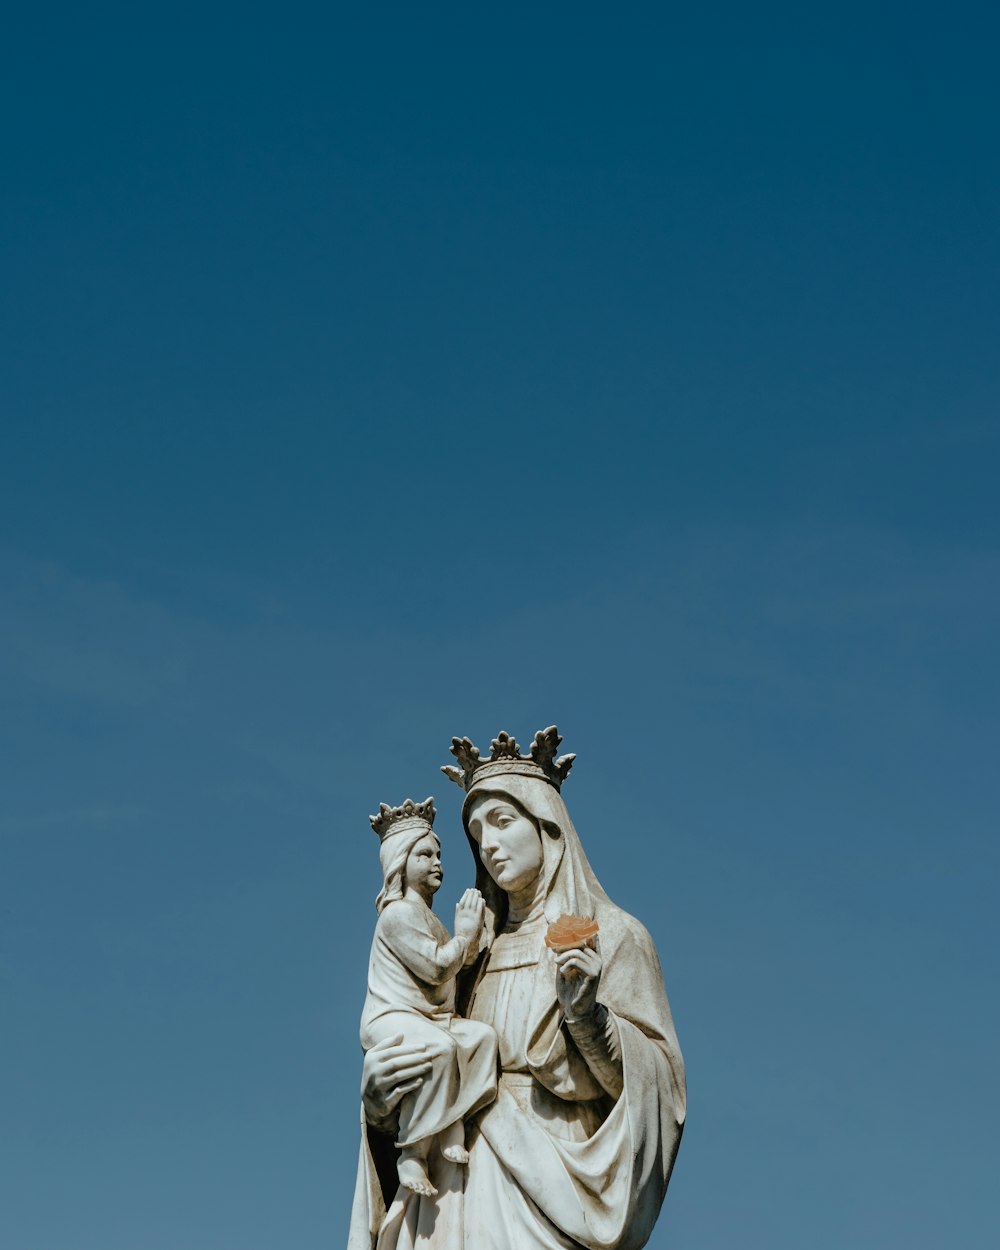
pixel 506 757
pixel 408 815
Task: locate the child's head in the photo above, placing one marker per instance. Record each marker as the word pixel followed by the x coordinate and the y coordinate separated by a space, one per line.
pixel 410 852
pixel 410 857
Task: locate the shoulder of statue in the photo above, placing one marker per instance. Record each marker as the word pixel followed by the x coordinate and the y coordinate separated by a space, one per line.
pixel 622 934
pixel 401 913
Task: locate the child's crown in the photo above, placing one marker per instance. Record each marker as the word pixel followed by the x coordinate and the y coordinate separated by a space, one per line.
pixel 408 815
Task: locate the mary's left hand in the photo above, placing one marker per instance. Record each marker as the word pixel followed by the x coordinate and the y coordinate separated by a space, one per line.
pixel 578 976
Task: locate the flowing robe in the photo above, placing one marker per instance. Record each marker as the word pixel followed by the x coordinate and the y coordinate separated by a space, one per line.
pixel 555 1163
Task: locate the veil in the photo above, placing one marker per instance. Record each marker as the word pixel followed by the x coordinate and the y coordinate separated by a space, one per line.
pixel 571 886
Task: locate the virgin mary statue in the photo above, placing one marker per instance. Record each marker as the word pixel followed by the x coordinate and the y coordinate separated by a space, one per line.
pixel 577 1149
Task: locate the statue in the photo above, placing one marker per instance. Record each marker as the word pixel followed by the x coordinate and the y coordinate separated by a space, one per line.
pixel 576 1149
pixel 411 993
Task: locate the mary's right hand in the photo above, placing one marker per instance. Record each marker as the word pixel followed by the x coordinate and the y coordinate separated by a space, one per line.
pixel 391 1069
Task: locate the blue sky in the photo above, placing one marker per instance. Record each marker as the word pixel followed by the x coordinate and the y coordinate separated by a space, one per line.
pixel 374 376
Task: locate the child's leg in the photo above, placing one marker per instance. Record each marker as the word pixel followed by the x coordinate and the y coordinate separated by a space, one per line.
pixel 453 1143
pixel 412 1168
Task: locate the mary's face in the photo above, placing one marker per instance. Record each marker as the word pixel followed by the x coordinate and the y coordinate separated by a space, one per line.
pixel 509 842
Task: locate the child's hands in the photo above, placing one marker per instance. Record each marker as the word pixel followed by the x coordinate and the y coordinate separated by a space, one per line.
pixel 470 911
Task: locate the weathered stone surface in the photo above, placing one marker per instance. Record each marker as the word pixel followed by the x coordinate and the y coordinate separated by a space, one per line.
pixel 574 1145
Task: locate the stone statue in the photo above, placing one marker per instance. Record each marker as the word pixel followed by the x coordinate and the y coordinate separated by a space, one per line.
pixel 577 1147
pixel 411 993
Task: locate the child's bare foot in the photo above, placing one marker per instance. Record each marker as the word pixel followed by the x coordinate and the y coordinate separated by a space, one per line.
pixel 453 1143
pixel 413 1176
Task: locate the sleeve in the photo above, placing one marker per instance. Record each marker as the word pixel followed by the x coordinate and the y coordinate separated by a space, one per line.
pixel 596 1038
pixel 416 946
pixel 632 989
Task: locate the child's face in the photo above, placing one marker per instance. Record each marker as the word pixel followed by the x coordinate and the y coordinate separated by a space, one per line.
pixel 423 867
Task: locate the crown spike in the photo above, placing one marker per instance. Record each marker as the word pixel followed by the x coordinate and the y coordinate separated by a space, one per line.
pixel 545 746
pixel 504 747
pixel 562 766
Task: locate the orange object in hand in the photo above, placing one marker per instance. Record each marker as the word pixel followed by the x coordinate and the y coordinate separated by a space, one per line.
pixel 570 932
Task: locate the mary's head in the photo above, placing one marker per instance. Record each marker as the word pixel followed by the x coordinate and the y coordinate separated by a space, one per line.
pixel 522 838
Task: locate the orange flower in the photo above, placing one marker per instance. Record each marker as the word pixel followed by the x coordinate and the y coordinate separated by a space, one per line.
pixel 569 932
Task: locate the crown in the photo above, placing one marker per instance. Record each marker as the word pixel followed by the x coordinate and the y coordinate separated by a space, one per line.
pixel 506 757
pixel 408 815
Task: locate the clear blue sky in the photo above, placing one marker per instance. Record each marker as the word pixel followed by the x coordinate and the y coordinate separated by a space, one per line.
pixel 376 374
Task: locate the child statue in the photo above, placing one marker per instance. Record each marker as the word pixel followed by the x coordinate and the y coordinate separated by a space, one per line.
pixel 411 993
